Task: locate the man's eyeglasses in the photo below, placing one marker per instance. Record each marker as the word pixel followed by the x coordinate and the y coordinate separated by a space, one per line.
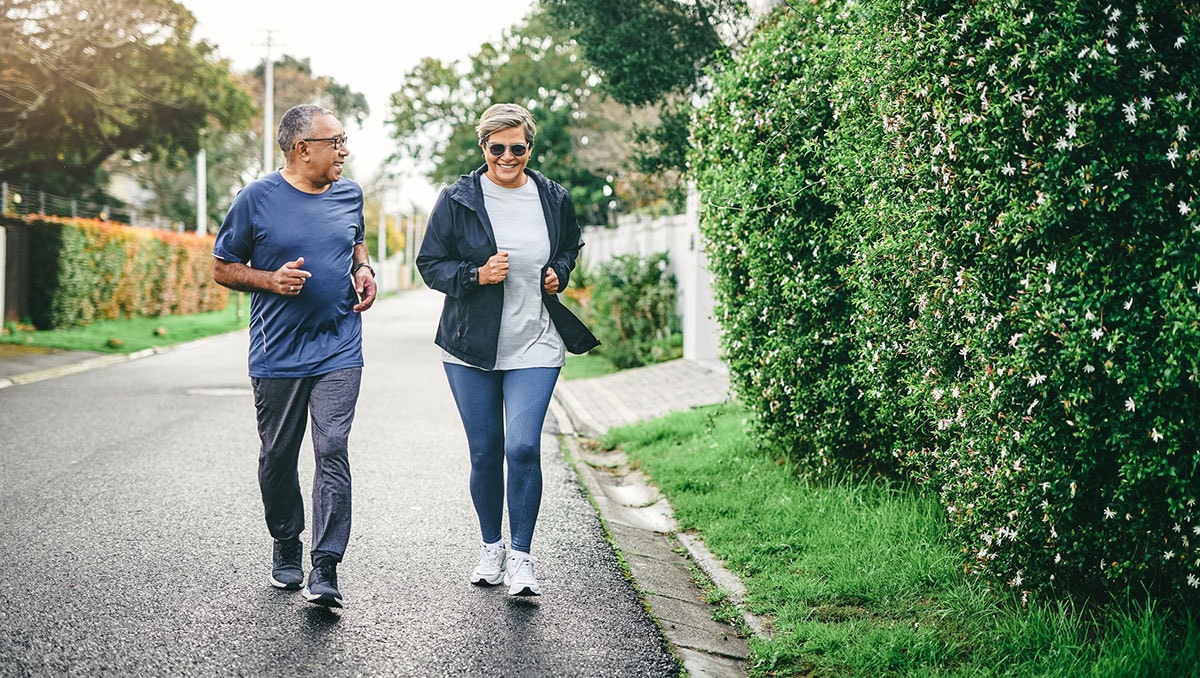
pixel 517 150
pixel 338 142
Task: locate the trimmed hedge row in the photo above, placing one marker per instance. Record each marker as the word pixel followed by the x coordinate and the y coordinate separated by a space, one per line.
pixel 961 239
pixel 86 269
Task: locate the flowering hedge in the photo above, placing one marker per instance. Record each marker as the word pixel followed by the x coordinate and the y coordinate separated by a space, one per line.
pixel 1011 196
pixel 89 269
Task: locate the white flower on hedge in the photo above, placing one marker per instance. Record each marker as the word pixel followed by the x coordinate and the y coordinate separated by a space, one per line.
pixel 1016 581
pixel 1168 555
pixel 1062 144
pixel 1130 405
pixel 1036 379
pixel 1122 174
pixel 1129 304
pixel 1071 130
pixel 1052 267
pixel 1181 132
pixel 1155 435
pixel 1008 170
pixel 1147 103
pixel 1109 513
pixel 1193 581
pixel 1177 528
pixel 1088 315
pixel 1172 155
pixel 1097 334
pixel 1089 369
pixel 1179 42
pixel 1184 208
pixel 1075 77
pixel 1147 74
pixel 1130 113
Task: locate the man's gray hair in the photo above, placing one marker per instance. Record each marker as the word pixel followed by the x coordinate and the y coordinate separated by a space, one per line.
pixel 504 116
pixel 297 123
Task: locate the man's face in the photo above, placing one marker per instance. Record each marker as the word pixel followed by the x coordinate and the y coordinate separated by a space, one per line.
pixel 323 158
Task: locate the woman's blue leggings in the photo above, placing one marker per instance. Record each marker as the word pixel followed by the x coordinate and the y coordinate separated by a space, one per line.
pixel 502 412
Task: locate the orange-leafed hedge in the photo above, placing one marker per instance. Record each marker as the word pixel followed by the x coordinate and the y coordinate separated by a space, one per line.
pixel 89 269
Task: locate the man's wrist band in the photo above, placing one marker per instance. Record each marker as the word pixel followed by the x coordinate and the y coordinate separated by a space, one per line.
pixel 362 264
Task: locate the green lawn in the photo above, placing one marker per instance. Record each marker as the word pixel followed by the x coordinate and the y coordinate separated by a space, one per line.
pixel 133 334
pixel 859 581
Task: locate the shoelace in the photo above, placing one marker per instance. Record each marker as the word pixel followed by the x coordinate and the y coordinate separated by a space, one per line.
pixel 525 568
pixel 493 555
pixel 291 551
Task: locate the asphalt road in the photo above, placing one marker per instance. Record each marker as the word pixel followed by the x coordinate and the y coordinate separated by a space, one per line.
pixel 133 542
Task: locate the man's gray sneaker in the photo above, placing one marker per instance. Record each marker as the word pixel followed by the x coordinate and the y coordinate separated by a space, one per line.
pixel 286 570
pixel 322 586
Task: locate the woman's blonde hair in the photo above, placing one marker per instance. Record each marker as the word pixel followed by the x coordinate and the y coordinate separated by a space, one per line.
pixel 504 116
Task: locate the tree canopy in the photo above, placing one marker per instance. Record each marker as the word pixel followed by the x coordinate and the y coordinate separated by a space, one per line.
pixel 83 81
pixel 653 54
pixel 647 50
pixel 435 111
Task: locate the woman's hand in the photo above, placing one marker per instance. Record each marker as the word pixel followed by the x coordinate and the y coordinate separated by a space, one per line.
pixel 495 270
pixel 550 283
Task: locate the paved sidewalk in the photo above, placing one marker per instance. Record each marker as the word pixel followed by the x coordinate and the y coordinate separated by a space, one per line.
pixel 640 394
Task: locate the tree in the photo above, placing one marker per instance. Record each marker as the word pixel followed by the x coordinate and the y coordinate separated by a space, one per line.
pixel 296 84
pixel 85 80
pixel 648 50
pixel 664 71
pixel 235 155
pixel 435 111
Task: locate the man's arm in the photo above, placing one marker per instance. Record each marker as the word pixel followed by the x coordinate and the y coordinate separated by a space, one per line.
pixel 364 278
pixel 288 280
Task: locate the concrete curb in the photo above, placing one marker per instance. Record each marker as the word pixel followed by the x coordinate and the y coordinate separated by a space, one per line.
pixel 95 363
pixel 641 524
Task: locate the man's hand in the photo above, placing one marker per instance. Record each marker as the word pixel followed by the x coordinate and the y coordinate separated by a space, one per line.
pixel 290 278
pixel 365 288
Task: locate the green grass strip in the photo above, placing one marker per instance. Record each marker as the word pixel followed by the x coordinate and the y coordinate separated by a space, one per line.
pixel 859 580
pixel 130 335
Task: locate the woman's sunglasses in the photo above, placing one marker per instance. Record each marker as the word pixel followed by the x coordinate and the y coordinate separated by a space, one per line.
pixel 517 150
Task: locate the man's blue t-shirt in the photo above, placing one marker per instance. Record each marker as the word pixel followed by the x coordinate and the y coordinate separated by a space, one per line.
pixel 271 223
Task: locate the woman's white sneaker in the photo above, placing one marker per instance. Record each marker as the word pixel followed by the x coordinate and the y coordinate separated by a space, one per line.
pixel 490 570
pixel 519 576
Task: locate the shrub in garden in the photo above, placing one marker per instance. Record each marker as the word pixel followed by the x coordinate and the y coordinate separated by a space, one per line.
pixel 768 220
pixel 631 309
pixel 1047 338
pixel 994 226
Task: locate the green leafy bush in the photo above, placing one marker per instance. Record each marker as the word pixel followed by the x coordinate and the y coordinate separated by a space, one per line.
pixel 630 305
pixel 768 219
pixel 985 214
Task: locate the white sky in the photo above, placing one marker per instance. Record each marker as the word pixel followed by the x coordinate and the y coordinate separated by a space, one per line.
pixel 366 45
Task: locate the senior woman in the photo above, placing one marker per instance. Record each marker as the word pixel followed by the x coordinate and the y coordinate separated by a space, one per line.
pixel 500 244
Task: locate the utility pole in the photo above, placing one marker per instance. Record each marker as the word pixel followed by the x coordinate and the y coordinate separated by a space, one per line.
pixel 201 191
pixel 268 156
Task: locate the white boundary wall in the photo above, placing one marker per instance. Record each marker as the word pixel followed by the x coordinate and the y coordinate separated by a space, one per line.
pixel 679 236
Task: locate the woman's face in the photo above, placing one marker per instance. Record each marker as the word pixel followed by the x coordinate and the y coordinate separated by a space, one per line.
pixel 507 170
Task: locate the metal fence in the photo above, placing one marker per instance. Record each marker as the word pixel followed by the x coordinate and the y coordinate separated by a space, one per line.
pixel 17 200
